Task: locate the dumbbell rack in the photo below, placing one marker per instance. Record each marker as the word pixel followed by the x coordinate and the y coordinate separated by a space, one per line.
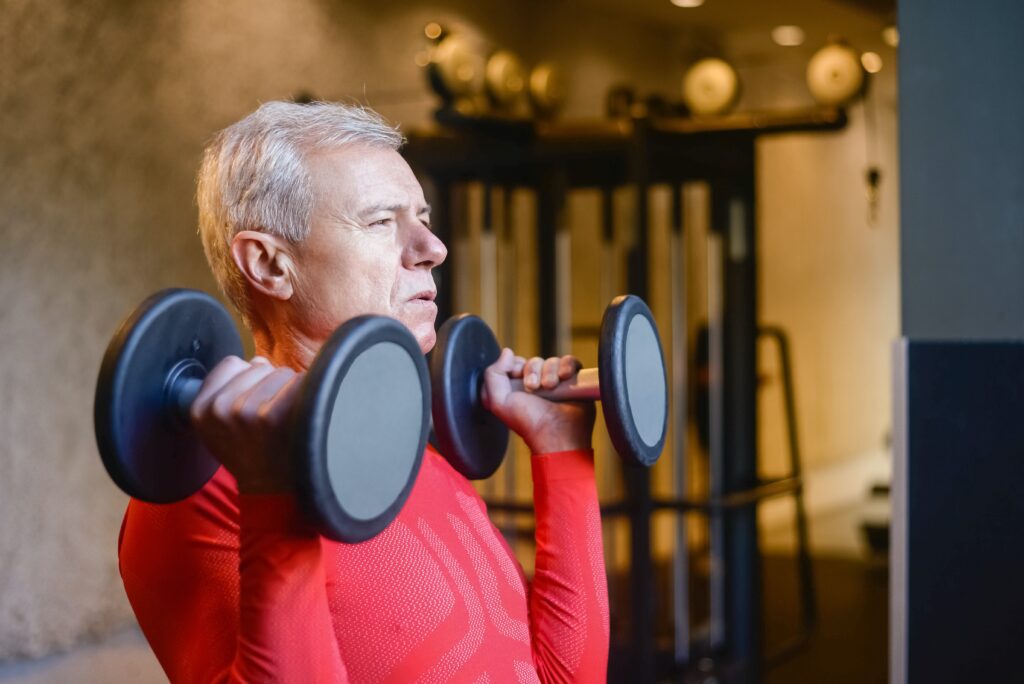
pixel 553 157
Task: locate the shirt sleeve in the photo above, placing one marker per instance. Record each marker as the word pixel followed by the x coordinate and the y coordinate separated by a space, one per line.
pixel 230 592
pixel 569 595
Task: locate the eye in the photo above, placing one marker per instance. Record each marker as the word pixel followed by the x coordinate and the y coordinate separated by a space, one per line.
pixel 381 222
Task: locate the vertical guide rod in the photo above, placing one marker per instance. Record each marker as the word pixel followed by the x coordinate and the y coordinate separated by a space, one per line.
pixel 508 297
pixel 716 402
pixel 681 555
pixel 609 470
pixel 638 480
pixel 563 277
pixel 742 561
pixel 488 273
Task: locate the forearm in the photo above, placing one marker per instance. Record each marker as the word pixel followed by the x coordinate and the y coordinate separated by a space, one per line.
pixel 569 597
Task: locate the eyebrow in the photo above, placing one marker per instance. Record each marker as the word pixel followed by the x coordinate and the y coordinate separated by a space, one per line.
pixel 394 208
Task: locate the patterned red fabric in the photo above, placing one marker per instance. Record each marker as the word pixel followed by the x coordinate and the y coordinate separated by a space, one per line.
pixel 240 588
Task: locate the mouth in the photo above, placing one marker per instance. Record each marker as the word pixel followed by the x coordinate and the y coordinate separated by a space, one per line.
pixel 424 296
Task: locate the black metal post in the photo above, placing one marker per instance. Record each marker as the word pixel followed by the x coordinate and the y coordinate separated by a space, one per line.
pixel 734 215
pixel 550 202
pixel 638 480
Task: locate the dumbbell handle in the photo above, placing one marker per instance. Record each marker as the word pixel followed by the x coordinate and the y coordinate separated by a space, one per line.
pixel 584 387
pixel 182 388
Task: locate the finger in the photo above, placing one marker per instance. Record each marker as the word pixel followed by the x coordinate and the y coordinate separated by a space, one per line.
pixel 549 374
pixel 531 373
pixel 225 403
pixel 222 373
pixel 568 366
pixel 260 359
pixel 278 406
pixel 252 401
pixel 518 364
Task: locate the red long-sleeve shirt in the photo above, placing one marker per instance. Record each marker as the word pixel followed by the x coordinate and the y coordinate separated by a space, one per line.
pixel 230 587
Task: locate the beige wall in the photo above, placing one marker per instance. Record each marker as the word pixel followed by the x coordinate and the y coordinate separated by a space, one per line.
pixel 106 106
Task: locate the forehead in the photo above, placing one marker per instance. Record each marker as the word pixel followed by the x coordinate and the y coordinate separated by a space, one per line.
pixel 355 177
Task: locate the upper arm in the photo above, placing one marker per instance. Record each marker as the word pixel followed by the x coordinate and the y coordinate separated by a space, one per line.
pixel 179 564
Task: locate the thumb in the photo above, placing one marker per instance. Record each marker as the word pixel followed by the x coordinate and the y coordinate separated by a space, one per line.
pixel 496 386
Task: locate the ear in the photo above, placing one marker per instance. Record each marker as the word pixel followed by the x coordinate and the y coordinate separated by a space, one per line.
pixel 265 262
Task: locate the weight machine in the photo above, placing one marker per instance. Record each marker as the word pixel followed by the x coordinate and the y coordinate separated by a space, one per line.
pixel 551 158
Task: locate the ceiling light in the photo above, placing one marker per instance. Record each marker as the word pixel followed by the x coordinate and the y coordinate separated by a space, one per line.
pixel 788 36
pixel 432 30
pixel 687 3
pixel 891 36
pixel 872 62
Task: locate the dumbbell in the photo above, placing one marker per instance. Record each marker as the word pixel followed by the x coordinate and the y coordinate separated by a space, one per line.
pixel 356 434
pixel 629 381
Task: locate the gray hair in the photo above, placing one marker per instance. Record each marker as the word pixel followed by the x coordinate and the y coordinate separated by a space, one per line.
pixel 253 177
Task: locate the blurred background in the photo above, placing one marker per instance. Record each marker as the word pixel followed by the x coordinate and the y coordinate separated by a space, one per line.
pixel 733 161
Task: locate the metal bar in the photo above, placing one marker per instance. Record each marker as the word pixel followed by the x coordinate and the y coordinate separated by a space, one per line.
pixel 487 273
pixel 608 469
pixel 716 429
pixel 488 261
pixel 681 555
pixel 508 295
pixel 549 199
pixel 742 560
pixel 771 489
pixel 805 570
pixel 563 274
pixel 638 480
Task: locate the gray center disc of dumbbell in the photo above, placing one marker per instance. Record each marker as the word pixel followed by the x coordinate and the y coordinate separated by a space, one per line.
pixel 361 426
pixel 374 425
pixel 643 380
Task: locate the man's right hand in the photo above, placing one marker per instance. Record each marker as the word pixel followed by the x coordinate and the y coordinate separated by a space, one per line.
pixel 241 415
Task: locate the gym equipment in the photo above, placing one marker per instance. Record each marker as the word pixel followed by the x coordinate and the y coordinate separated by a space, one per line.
pixel 680 553
pixel 632 389
pixel 711 87
pixel 357 432
pixel 636 156
pixel 505 78
pixel 835 75
pixel 547 89
pixel 456 72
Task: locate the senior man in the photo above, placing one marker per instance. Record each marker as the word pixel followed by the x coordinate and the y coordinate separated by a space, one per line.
pixel 309 216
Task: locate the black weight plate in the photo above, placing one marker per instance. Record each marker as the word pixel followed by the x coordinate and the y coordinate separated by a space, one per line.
pixel 634 388
pixel 148 450
pixel 360 428
pixel 472 439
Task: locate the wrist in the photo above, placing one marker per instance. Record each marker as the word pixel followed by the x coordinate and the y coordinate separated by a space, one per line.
pixel 550 444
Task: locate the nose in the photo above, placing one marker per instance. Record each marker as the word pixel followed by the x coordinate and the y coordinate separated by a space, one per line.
pixel 425 249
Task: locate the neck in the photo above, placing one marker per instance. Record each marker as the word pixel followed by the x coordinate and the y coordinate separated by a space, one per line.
pixel 285 345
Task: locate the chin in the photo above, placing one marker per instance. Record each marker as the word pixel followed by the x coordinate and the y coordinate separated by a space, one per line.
pixel 427 339
pixel 422 329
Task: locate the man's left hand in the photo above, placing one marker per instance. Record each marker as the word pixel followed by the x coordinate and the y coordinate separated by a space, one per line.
pixel 546 426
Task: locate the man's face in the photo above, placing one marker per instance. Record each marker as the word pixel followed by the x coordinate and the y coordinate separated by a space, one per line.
pixel 370 249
